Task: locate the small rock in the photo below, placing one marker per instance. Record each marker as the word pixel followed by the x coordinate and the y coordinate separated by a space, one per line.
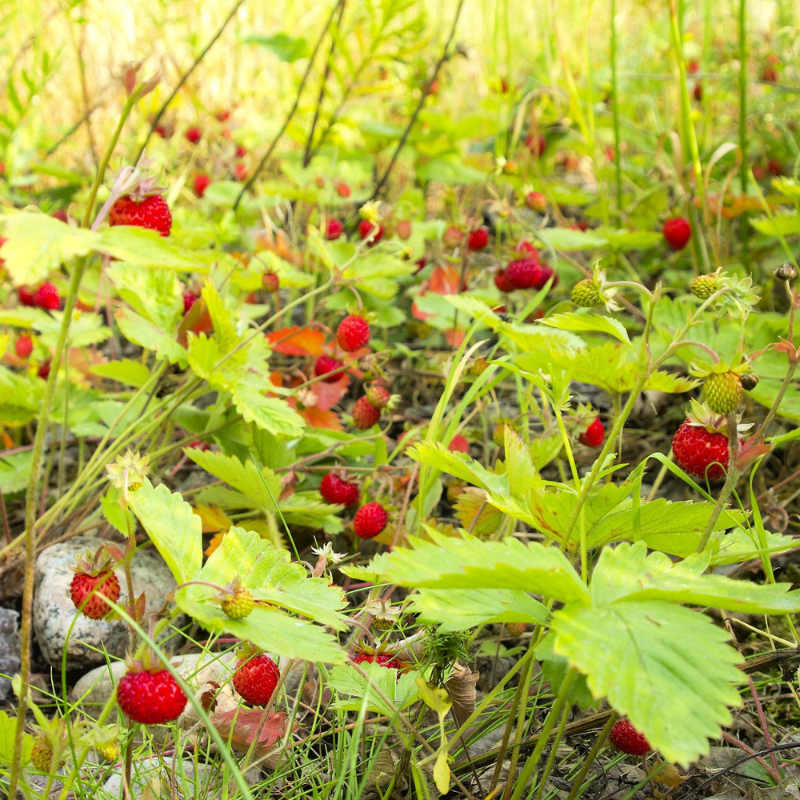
pixel 90 640
pixel 189 780
pixel 9 649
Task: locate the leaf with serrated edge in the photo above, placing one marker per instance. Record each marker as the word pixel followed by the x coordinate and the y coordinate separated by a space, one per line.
pixel 628 572
pixel 357 692
pixel 460 465
pixel 519 464
pixel 371 573
pixel 172 526
pixel 468 563
pixel 667 668
pixel 462 609
pixel 270 413
pixel 585 323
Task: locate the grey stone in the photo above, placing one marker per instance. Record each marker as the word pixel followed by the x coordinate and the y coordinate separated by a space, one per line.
pixel 9 649
pixel 53 611
pixel 190 780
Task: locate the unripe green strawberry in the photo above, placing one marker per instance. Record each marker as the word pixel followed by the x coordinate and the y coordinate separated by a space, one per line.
pixel 499 433
pixel 723 391
pixel 377 395
pixel 586 294
pixel 703 286
pixel 238 604
pixel 477 367
pixel 42 754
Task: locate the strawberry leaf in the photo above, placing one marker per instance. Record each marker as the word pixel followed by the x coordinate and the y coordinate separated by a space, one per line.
pixel 584 323
pixel 460 465
pixel 357 693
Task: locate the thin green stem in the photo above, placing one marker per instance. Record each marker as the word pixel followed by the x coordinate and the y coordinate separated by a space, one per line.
pixel 744 167
pixel 615 109
pixel 577 783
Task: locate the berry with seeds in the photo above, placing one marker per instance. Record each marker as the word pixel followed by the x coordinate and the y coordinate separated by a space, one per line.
pixel 42 754
pixel 458 444
pixel 325 365
pixel 524 273
pixel 677 232
pixel 545 273
pixel 502 282
pixel 372 229
pixel 105 585
pixel 703 286
pixel 370 520
pixel 365 415
pixel 240 171
pixel 150 697
pixel 23 346
pixel 334 230
pixel 478 239
pixel 536 144
pixel 404 229
pixel 593 435
pixel 378 396
pixel 201 183
pixel 337 491
pixel 47 296
pixel 25 294
pixel 586 294
pixel 151 212
pixel 701 446
pixel 536 201
pixel 723 391
pixel 452 237
pixel 255 679
pixel 527 249
pixel 238 604
pixel 382 659
pixel 342 189
pixel 44 370
pixel 516 629
pixel 193 135
pixel 189 299
pixel 627 739
pixel 271 282
pixel 353 333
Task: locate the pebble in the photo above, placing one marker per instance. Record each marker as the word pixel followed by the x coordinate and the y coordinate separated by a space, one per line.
pixel 9 649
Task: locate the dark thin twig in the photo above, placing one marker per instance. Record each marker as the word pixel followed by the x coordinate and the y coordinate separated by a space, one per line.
pixel 252 179
pixel 6 529
pixel 425 92
pixel 185 77
pixel 307 154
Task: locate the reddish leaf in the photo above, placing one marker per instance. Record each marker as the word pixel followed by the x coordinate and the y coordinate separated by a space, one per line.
pixel 454 337
pixel 215 542
pixel 296 341
pixel 317 418
pixel 243 725
pixel 329 394
pixel 214 519
pixel 444 279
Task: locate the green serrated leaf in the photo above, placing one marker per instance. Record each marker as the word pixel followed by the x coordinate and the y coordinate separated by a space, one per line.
pixel 582 323
pixel 148 248
pixel 270 413
pixel 357 692
pixel 520 470
pixel 8 726
pixel 131 373
pixel 460 465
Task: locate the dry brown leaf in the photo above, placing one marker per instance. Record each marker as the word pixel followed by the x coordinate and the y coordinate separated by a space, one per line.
pixel 242 725
pixel 461 688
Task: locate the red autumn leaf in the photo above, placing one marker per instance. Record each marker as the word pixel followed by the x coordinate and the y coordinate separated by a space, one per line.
pixel 329 394
pixel 454 337
pixel 444 279
pixel 297 341
pixel 317 418
pixel 216 541
pixel 241 726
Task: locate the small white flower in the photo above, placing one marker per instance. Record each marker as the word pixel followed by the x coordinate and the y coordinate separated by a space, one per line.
pixel 326 552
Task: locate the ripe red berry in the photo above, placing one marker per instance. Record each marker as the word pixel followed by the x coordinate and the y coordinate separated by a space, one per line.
pixel 151 212
pixel 106 585
pixel 194 135
pixel 774 167
pixel 325 365
pixel 44 370
pixel 382 659
pixel 536 144
pixel 378 396
pixel 502 283
pixel 627 739
pixel 240 170
pixel 365 228
pixel 700 452
pixel 241 152
pixel 478 239
pixel 404 229
pixel 545 273
pixel 189 299
pixel 527 249
pixel 536 201
pixel 342 189
pixel 25 294
pixel 151 698
pixel 370 520
pixel 692 67
pixel 353 333
pixel 198 444
pixel 255 679
pixel 365 415
pixel 23 346
pixel 458 444
pixel 223 116
pixel 769 75
pixel 271 282
pixel 201 183
pixel 525 273
pixel 47 296
pixel 593 435
pixel 698 92
pixel 337 491
pixel 677 232
pixel 334 230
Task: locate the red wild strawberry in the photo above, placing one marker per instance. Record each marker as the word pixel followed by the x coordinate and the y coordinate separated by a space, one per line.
pixel 502 282
pixel 593 435
pixel 545 273
pixel 692 67
pixel 324 365
pixel 240 170
pixel 240 151
pixel 150 212
pixel 536 144
pixel 334 230
pixel 701 445
pixel 420 262
pixel 627 739
pixel 342 189
pixel 151 698
pixel 378 396
pixel 163 131
pixel 104 585
pixel 458 444
pixel 367 228
pixel 193 135
pixel 365 415
pixel 60 214
pixel 198 444
pixel 44 370
pixel 774 167
pixel 25 295
pixel 527 249
pixel 769 75
pixel 404 229
pixel 478 239
pixel 47 296
pixel 337 491
pixel 189 299
pixel 382 659
pixel 698 92
pixel 201 183
pixel 255 679
pixel 23 346
pixel 536 201
pixel 524 273
pixel 677 232
pixel 223 116
pixel 370 520
pixel 353 333
pixel 452 237
pixel 271 282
